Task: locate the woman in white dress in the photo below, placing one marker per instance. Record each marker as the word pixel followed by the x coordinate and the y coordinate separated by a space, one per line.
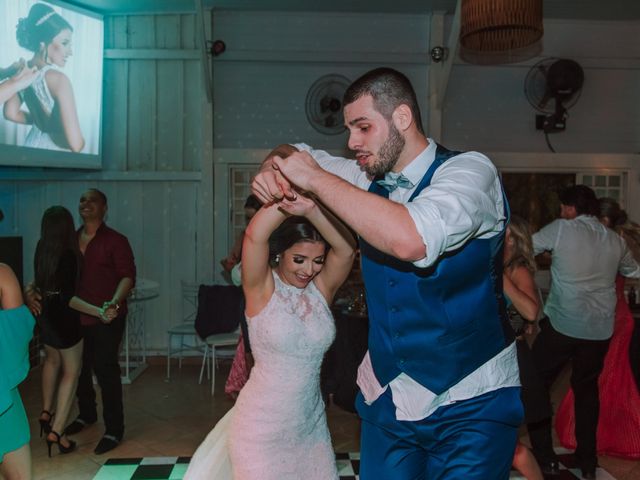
pixel 291 268
pixel 49 98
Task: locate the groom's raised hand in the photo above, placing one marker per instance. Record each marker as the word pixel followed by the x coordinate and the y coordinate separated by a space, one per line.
pixel 269 184
pixel 299 169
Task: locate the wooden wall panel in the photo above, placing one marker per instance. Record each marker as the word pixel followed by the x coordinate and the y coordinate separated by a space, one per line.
pixel 115 121
pixel 353 34
pixel 8 204
pixel 159 219
pixel 170 116
pixel 196 139
pixel 153 147
pixel 116 35
pixel 156 259
pixel 28 224
pixel 159 135
pixel 142 116
pixel 188 32
pixel 261 83
pixel 260 105
pixel 141 30
pixel 168 31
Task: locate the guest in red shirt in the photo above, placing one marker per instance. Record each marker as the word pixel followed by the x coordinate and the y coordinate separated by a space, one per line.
pixel 108 275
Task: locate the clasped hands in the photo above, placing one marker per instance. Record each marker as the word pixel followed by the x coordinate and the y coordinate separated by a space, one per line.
pixel 108 312
pixel 276 179
pixel 22 74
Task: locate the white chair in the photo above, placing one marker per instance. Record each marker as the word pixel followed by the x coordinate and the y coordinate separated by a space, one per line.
pixel 185 330
pixel 220 310
pixel 212 342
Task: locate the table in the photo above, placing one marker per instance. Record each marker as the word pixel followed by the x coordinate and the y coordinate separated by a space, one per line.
pixel 134 355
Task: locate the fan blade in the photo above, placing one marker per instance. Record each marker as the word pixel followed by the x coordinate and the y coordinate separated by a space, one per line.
pixel 325 104
pixel 544 100
pixel 330 104
pixel 330 121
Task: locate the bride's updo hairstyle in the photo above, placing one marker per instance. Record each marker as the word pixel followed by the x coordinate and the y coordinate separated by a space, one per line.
pixel 41 25
pixel 290 232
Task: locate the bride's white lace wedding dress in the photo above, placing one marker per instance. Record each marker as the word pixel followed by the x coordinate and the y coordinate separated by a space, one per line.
pixel 278 429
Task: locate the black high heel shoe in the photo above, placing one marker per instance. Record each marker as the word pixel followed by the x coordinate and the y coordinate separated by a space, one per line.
pixel 45 425
pixel 61 448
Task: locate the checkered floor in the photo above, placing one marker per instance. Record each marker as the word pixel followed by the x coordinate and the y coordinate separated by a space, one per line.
pixel 173 468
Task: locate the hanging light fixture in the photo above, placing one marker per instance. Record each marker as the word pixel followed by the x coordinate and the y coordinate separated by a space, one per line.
pixel 500 30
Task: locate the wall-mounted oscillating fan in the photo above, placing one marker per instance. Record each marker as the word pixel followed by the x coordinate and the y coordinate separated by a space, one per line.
pixel 554 79
pixel 324 104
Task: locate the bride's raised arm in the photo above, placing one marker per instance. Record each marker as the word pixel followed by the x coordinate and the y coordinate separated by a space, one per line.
pixel 257 280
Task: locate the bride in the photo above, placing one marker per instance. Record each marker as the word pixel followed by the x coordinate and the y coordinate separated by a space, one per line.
pixel 295 255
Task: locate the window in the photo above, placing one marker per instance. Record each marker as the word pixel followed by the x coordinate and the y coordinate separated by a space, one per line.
pixel 239 189
pixel 534 195
pixel 605 184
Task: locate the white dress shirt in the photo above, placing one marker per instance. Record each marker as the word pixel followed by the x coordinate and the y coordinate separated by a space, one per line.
pixel 464 201
pixel 586 256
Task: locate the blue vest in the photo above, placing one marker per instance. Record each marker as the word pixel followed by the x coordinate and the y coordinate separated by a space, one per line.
pixel 436 324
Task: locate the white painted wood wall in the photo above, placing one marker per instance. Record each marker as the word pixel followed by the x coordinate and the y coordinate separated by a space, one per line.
pixel 273 58
pixel 161 169
pixel 157 170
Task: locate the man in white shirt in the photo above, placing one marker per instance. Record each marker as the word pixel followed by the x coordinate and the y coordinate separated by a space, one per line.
pixel 439 385
pixel 586 257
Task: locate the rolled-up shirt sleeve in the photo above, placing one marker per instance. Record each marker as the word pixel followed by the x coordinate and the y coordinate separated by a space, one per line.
pixel 628 265
pixel 546 238
pixel 341 167
pixel 464 201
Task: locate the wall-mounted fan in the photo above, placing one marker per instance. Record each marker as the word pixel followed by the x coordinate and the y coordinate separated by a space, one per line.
pixel 324 104
pixel 552 86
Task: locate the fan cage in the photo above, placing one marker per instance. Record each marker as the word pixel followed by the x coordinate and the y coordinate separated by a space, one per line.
pixel 320 115
pixel 535 88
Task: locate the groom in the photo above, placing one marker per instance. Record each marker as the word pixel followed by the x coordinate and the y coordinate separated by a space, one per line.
pixel 439 386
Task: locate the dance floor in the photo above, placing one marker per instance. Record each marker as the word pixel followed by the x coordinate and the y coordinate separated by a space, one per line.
pixel 173 468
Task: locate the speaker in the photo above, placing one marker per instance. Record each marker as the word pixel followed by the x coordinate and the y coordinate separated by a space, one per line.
pixel 11 254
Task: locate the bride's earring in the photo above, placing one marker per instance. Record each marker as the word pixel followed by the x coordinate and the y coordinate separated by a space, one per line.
pixel 45 51
pixel 277 259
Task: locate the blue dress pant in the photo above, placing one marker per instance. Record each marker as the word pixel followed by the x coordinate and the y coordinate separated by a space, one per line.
pixel 470 439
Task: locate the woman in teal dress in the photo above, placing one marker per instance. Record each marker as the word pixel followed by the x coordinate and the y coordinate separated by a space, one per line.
pixel 16 329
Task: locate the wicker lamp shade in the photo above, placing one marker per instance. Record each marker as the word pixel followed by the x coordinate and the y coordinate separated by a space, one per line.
pixel 500 25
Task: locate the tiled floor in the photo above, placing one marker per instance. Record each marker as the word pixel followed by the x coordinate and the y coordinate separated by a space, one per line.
pixel 170 419
pixel 174 468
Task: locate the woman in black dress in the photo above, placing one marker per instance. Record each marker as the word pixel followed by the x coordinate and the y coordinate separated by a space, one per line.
pixel 57 266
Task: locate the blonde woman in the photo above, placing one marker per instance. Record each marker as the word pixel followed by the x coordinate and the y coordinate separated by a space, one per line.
pixel 524 302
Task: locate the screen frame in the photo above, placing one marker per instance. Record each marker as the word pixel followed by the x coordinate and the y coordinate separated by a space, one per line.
pixel 21 156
